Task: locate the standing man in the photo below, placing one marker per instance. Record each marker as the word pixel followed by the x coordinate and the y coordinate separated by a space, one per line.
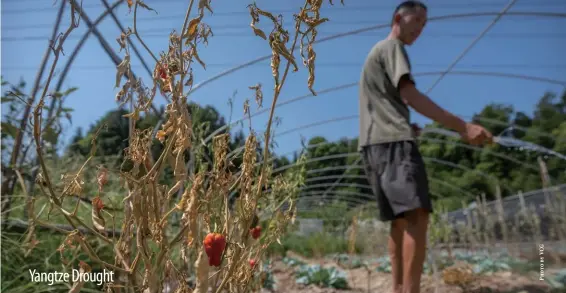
pixel 394 165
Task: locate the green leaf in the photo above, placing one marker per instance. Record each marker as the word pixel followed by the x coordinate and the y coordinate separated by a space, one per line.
pixel 50 135
pixel 7 100
pixel 68 116
pixel 70 91
pixel 9 129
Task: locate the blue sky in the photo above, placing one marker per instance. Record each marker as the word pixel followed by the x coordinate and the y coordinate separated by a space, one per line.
pixel 517 44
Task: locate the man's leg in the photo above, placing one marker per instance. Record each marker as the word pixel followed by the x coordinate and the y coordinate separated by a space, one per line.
pixel 375 159
pixel 405 185
pixel 414 249
pixel 395 245
pixel 398 178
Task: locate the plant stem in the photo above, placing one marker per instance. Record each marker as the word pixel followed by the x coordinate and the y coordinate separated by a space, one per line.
pixel 272 111
pixel 138 35
pixel 8 183
pixel 182 67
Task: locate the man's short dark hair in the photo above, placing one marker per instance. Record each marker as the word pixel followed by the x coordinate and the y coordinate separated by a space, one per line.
pixel 412 4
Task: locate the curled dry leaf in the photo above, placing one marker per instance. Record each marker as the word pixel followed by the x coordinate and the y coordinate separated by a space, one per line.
pixel 134 115
pixel 278 47
pixel 122 69
pixel 205 31
pixel 275 62
pixel 97 204
pixel 122 40
pixel 190 215
pixel 138 150
pixel 143 5
pixel 310 64
pixel 190 80
pixel 194 53
pixel 97 218
pixel 277 40
pixel 79 284
pixel 310 35
pixel 255 19
pixel 192 29
pixel 247 107
pixel 258 32
pixel 258 94
pixel 73 184
pixel 120 95
pixel 102 177
pixel 220 143
pixel 202 4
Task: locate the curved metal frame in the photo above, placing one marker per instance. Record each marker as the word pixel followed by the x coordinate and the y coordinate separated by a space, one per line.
pixel 351 117
pixel 503 156
pixel 375 27
pixel 354 84
pixel 432 179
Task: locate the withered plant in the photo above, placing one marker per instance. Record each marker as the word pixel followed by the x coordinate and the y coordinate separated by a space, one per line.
pixel 188 227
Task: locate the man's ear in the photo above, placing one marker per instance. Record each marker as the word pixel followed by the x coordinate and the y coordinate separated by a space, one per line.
pixel 397 18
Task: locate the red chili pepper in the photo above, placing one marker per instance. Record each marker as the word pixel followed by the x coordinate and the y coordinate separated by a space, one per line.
pixel 214 245
pixel 163 73
pixel 253 263
pixel 256 232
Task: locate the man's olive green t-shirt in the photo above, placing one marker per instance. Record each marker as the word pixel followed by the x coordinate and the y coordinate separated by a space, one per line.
pixel 384 117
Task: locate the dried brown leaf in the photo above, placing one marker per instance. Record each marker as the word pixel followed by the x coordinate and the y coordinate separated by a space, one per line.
pixel 196 56
pixel 312 22
pixel 259 32
pixel 97 218
pixel 191 212
pixel 78 285
pixel 102 177
pixel 279 48
pixel 258 94
pixel 275 63
pixel 134 115
pixel 205 31
pixel 266 14
pixel 246 107
pixel 310 64
pixel 73 184
pixel 202 268
pixel 122 69
pixel 204 4
pixel 192 29
pixel 193 24
pixel 190 80
pixel 143 5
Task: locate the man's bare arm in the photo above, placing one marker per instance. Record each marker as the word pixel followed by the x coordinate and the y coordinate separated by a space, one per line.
pixel 425 106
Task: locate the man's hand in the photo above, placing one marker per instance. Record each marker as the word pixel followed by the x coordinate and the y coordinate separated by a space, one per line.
pixel 472 133
pixel 476 135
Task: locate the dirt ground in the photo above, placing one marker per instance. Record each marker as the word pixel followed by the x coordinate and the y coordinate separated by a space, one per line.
pixel 358 279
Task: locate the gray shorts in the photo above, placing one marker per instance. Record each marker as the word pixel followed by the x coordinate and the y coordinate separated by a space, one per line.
pixel 397 175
